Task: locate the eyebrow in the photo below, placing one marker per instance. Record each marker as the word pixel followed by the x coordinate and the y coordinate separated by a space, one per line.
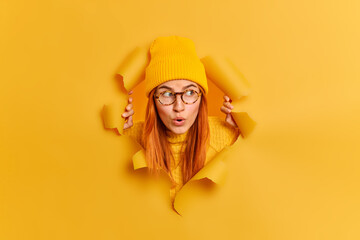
pixel 187 86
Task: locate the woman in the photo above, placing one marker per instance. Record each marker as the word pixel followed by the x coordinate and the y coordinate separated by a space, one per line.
pixel 177 133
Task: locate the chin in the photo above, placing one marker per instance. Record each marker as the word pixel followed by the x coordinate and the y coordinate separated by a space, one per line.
pixel 179 130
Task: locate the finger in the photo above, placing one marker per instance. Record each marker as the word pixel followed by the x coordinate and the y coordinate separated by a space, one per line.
pixel 129 113
pixel 129 107
pixel 126 125
pixel 131 92
pixel 226 98
pixel 130 100
pixel 225 110
pixel 126 114
pixel 130 121
pixel 228 105
pixel 222 109
pixel 230 120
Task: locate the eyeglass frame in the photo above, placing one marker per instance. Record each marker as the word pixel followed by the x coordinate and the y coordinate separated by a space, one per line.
pixel 157 96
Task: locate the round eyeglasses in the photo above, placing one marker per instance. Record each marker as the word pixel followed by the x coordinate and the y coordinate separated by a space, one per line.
pixel 188 96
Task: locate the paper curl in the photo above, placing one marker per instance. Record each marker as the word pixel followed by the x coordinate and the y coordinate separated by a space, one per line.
pixel 226 76
pixel 139 160
pixel 112 114
pixel 245 123
pixel 231 81
pixel 215 171
pixel 132 70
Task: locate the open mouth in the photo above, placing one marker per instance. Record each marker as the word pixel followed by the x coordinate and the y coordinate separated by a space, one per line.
pixel 179 121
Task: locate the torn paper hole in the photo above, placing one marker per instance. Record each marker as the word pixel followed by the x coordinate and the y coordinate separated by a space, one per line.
pixel 225 75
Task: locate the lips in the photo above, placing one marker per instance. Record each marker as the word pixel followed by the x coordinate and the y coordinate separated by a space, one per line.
pixel 179 121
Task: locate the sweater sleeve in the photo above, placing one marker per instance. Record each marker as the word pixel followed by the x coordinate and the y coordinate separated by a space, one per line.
pixel 221 133
pixel 136 132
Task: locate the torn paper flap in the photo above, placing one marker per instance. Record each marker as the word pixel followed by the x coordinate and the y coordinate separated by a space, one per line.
pixel 215 171
pixel 244 122
pixel 242 105
pixel 112 114
pixel 132 70
pixel 226 76
pixel 139 160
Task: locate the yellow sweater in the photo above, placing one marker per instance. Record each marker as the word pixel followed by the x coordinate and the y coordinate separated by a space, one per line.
pixel 221 135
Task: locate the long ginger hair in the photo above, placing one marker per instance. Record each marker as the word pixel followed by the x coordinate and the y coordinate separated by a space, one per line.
pixel 157 148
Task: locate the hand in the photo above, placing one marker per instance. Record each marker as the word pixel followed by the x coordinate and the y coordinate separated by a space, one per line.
pixel 227 108
pixel 129 112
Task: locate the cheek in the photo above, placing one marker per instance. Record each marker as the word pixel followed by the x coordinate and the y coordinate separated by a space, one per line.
pixel 194 110
pixel 163 112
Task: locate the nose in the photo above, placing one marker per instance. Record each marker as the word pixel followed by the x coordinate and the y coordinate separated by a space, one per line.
pixel 178 104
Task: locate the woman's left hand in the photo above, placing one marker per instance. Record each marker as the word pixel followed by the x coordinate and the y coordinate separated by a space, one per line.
pixel 227 108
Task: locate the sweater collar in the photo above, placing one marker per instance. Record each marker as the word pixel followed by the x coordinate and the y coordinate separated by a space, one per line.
pixel 175 138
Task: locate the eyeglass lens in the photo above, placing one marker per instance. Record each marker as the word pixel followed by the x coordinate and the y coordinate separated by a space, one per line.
pixel 188 97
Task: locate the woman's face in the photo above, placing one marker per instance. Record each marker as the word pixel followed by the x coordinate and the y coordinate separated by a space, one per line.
pixel 178 117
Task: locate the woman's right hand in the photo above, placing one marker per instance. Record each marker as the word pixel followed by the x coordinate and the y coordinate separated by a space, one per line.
pixel 129 112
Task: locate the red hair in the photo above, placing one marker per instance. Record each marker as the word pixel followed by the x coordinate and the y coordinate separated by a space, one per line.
pixel 157 148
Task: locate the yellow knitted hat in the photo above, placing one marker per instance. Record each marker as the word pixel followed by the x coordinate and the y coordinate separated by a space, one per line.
pixel 174 58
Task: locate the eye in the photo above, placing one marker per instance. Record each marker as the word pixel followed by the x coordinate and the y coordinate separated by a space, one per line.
pixel 189 92
pixel 167 94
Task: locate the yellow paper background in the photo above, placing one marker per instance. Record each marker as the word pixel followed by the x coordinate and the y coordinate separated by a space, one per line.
pixel 63 176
